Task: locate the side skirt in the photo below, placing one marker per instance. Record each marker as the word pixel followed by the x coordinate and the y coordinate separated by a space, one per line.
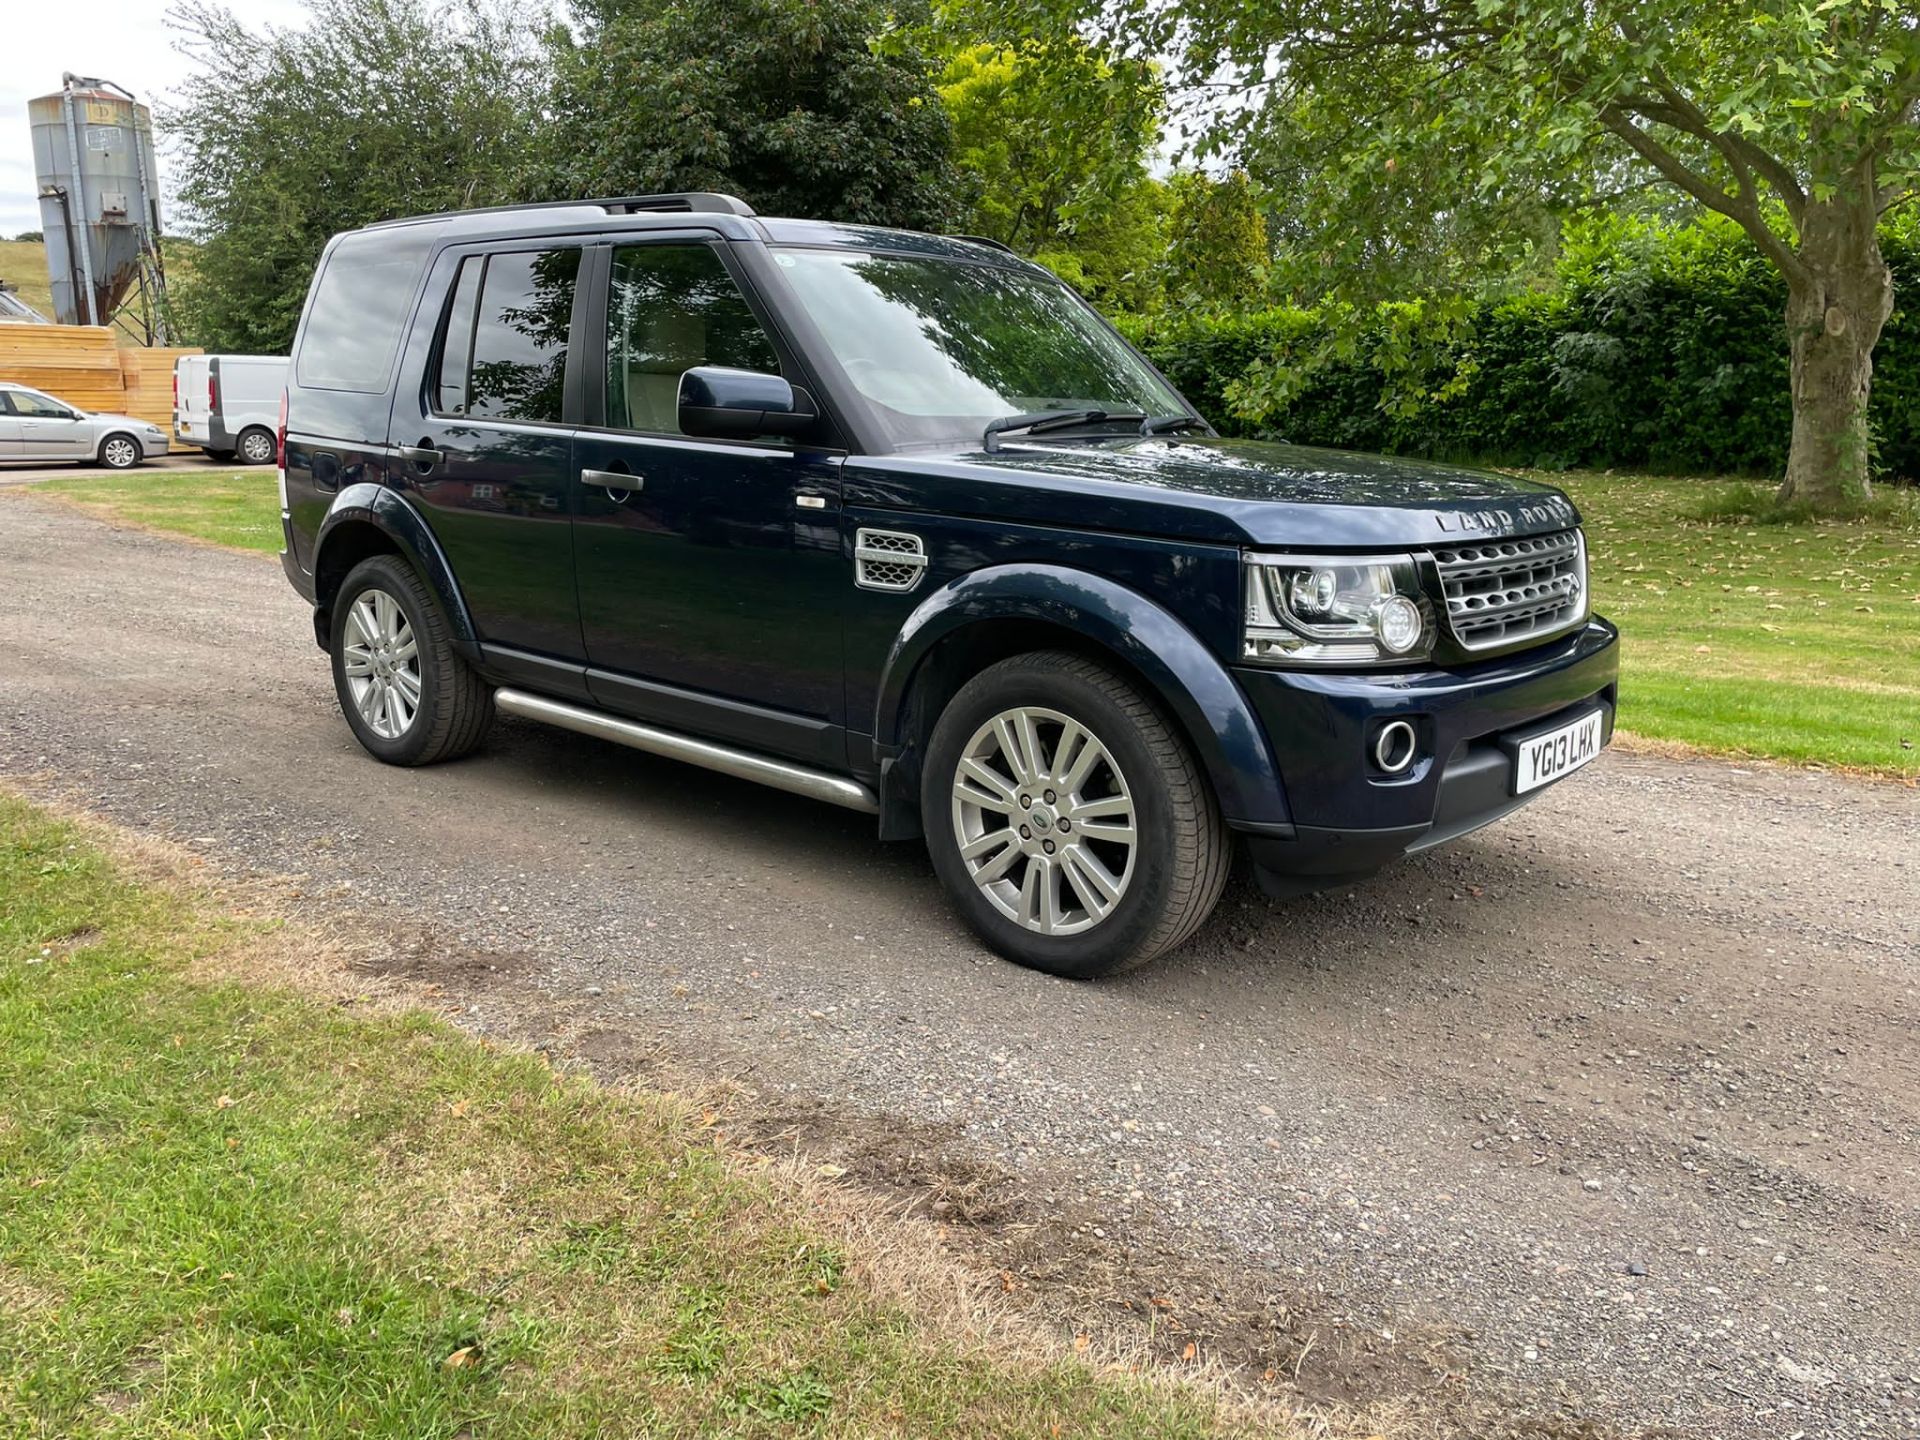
pixel 743 764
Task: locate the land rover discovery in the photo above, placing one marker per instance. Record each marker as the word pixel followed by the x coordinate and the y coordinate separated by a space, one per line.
pixel 900 523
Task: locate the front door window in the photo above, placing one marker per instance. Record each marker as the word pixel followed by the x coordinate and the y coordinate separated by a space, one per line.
pixel 671 308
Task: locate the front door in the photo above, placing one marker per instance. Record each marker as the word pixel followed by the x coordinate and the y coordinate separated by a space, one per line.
pixel 485 445
pixel 711 577
pixel 50 430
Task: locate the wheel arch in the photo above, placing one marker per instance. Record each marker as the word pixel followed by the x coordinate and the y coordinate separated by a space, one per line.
pixel 367 520
pixel 990 614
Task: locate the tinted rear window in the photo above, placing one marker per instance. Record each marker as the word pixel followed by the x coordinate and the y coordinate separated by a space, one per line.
pixel 359 309
pixel 504 354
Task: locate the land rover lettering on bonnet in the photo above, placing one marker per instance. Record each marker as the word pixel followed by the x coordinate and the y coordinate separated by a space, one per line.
pixel 898 523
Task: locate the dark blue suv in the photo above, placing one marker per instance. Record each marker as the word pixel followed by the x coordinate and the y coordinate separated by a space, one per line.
pixel 898 522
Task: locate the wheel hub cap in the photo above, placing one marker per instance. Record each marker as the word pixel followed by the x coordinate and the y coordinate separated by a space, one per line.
pixel 381 661
pixel 1045 821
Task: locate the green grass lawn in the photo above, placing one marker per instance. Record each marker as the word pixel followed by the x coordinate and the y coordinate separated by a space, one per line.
pixel 238 508
pixel 232 1210
pixel 24 263
pixel 1796 642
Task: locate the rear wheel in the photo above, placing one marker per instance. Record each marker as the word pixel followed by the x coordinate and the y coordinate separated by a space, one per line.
pixel 1067 819
pixel 256 447
pixel 119 452
pixel 407 694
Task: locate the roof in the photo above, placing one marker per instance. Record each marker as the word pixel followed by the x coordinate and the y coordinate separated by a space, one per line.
pixel 729 217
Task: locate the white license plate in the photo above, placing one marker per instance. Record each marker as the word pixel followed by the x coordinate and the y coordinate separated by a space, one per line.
pixel 1542 759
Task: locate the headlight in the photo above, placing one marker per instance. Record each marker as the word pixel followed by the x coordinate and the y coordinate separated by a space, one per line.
pixel 1340 610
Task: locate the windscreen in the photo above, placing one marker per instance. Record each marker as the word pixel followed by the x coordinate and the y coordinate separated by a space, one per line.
pixel 941 347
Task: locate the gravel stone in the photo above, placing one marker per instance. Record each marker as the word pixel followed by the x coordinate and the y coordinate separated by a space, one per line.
pixel 1743 1055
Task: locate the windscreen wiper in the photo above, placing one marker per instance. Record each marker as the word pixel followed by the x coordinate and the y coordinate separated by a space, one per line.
pixel 1168 424
pixel 1037 422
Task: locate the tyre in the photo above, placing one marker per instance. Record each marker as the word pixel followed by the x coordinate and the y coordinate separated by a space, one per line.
pixel 409 697
pixel 119 452
pixel 257 447
pixel 1068 820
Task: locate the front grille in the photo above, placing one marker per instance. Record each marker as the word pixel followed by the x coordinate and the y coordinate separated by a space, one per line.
pixel 1504 592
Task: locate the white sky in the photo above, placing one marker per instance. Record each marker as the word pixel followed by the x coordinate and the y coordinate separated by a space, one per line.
pixel 125 41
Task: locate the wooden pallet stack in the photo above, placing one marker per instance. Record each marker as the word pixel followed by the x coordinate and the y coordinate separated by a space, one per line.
pixel 146 378
pixel 81 365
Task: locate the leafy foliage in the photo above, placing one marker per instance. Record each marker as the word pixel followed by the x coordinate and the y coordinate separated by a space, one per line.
pixel 1441 133
pixel 1657 348
pixel 802 109
pixel 1053 138
pixel 437 116
pixel 1216 241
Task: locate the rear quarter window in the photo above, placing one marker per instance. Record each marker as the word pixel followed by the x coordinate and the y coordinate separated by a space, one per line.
pixel 359 309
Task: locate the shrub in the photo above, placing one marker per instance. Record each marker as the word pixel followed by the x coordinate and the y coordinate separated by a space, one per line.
pixel 1659 347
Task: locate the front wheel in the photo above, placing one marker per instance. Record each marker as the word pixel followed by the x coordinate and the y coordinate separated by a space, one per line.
pixel 1068 820
pixel 119 452
pixel 408 695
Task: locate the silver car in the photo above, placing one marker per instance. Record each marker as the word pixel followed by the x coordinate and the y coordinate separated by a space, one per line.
pixel 34 426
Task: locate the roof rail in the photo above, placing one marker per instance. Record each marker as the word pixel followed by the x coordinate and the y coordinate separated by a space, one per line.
pixel 984 240
pixel 696 202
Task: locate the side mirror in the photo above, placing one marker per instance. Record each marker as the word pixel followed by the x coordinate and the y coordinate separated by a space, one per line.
pixel 724 404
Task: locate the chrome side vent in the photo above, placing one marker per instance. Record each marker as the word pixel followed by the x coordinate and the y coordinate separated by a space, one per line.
pixel 887 560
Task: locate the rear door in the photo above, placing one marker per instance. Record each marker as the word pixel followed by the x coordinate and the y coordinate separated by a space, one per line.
pixel 711 578
pixel 485 445
pixel 190 398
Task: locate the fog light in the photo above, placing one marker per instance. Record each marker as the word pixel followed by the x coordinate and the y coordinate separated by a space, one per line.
pixel 1397 624
pixel 1395 746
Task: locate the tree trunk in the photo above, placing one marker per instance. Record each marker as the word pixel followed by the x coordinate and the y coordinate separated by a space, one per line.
pixel 1835 311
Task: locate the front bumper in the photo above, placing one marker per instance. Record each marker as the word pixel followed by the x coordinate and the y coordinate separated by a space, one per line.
pixel 152 446
pixel 1348 818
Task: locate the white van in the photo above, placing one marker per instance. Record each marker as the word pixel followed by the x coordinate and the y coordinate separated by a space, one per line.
pixel 229 405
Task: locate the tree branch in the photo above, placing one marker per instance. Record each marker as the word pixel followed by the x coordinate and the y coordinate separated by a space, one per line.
pixel 1743 157
pixel 1742 211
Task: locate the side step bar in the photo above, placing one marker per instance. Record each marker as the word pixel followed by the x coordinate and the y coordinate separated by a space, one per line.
pixel 744 764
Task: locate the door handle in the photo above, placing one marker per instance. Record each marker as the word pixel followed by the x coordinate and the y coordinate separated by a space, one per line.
pixel 425 456
pixel 613 480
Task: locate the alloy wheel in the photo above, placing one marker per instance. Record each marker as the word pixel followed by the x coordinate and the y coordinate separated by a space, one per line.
pixel 256 448
pixel 1045 821
pixel 119 453
pixel 381 661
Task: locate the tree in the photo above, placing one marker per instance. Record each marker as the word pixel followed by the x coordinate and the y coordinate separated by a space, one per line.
pixel 1053 137
pixel 801 108
pixel 1795 120
pixel 278 151
pixel 1216 241
pixel 29 237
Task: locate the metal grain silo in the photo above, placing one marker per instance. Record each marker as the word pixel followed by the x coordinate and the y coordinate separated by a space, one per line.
pixel 99 200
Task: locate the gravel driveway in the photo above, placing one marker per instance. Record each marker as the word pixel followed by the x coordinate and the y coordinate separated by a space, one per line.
pixel 1622 1095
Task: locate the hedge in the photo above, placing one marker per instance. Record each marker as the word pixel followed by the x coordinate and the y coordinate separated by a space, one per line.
pixel 1654 348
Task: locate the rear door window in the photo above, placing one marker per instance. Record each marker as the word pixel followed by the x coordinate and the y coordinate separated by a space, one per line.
pixel 503 349
pixel 359 309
